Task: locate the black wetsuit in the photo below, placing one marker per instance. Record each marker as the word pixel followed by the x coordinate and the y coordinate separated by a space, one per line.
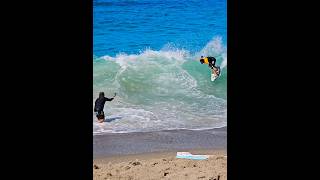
pixel 99 105
pixel 212 62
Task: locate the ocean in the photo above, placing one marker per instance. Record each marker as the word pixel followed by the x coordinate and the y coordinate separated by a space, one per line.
pixel 147 51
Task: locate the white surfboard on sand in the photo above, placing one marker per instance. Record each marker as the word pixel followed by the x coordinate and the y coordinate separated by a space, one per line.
pixel 187 155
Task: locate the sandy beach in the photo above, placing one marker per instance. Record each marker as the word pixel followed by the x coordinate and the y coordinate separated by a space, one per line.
pixel 153 155
pixel 162 165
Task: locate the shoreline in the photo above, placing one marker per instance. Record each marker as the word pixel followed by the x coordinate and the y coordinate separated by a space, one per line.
pixel 167 141
pixel 155 155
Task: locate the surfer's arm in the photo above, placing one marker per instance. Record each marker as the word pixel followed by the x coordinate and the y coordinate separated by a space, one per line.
pixel 109 99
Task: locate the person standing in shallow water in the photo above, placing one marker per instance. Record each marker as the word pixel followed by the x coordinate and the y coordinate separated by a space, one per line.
pixel 99 106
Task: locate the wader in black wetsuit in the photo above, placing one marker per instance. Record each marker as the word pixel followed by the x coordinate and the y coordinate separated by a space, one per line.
pixel 99 105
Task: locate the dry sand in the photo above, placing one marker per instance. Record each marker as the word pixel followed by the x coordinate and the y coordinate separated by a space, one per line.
pixel 162 165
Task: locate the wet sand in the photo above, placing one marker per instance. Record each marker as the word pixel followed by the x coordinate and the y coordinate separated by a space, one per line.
pixel 146 142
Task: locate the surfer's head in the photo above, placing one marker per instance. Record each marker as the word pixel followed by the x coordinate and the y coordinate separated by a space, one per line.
pixel 201 60
pixel 101 95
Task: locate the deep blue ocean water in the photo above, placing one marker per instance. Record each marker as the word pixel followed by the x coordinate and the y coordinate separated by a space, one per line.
pixel 131 26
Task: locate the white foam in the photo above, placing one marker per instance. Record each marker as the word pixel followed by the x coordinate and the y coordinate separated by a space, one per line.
pixel 224 62
pixel 214 47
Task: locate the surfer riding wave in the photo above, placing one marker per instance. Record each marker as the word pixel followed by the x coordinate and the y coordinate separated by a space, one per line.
pixel 211 61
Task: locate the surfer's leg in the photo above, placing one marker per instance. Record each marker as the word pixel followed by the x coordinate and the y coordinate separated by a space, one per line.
pixel 215 70
pixel 100 116
pixel 214 62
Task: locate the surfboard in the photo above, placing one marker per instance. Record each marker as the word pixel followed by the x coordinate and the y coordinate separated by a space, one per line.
pixel 214 76
pixel 187 155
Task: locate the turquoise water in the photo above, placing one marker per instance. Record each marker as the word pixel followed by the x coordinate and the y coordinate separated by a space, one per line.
pixel 147 51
